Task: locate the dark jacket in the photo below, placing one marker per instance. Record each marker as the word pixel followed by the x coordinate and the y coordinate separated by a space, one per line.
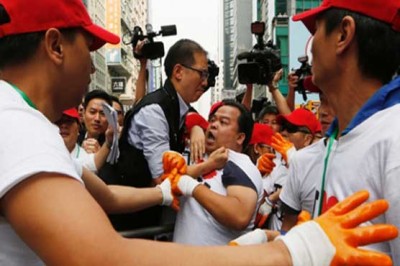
pixel 132 168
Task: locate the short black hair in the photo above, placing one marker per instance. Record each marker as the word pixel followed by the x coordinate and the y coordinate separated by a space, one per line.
pixel 245 120
pixel 96 94
pixel 268 109
pixel 181 53
pixel 19 48
pixel 378 44
pixel 116 99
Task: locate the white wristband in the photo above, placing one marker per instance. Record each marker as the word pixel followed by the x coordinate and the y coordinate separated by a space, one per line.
pixel 254 237
pixel 309 245
pixel 165 187
pixel 187 184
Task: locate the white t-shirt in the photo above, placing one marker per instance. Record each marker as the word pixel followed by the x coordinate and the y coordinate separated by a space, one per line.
pixel 196 226
pixel 275 180
pixel 86 159
pixel 368 158
pixel 304 171
pixel 29 144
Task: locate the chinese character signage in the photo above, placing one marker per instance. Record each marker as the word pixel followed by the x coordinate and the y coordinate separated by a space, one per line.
pixel 118 84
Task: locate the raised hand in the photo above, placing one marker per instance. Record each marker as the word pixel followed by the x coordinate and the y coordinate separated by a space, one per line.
pixel 197 144
pixel 340 224
pixel 219 157
pixel 283 146
pixel 91 145
pixel 265 163
pixel 334 237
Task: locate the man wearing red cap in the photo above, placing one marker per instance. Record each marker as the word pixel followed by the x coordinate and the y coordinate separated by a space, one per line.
pixel 69 130
pixel 299 127
pixel 355 56
pixel 47 216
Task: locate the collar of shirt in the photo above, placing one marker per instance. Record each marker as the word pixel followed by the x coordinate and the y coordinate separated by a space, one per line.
pixel 384 98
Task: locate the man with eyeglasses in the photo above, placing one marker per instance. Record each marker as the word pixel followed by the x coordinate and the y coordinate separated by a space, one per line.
pixel 156 125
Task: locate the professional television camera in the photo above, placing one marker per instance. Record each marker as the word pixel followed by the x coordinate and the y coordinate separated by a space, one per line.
pixel 151 49
pixel 302 72
pixel 213 71
pixel 262 61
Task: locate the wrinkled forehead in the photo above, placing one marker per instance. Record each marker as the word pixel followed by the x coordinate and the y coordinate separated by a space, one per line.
pixel 227 111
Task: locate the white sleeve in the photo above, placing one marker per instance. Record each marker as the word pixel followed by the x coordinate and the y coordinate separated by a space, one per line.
pixel 30 144
pixel 290 192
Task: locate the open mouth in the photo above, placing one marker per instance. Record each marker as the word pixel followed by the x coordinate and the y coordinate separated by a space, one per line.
pixel 210 138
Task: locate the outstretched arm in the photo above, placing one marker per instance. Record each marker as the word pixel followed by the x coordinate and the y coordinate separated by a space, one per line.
pixel 120 199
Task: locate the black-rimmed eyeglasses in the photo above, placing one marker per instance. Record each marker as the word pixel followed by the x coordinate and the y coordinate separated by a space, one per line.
pixel 203 73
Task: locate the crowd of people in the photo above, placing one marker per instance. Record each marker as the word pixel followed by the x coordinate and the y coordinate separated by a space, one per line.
pixel 61 202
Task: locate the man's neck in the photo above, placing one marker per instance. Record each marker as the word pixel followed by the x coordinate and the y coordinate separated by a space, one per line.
pixel 347 98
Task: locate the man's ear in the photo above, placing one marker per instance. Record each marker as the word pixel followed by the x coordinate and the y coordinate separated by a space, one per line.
pixel 177 72
pixel 255 148
pixel 240 138
pixel 308 138
pixel 347 29
pixel 53 43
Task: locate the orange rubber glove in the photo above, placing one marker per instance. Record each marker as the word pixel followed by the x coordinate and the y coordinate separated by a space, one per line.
pixel 283 146
pixel 263 212
pixel 339 224
pixel 265 164
pixel 334 237
pixel 173 160
pixel 304 216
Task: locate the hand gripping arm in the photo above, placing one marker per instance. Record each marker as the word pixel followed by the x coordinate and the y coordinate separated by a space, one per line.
pixel 173 160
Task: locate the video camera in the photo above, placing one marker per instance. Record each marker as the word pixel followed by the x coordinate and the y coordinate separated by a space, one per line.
pixel 151 49
pixel 262 61
pixel 213 71
pixel 302 72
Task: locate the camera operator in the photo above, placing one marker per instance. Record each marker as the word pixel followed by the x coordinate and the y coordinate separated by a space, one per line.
pixel 141 82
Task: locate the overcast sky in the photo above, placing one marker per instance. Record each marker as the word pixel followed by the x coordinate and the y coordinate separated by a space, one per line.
pixel 194 19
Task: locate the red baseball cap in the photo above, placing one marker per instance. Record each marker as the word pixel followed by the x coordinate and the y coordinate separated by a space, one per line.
pixel 215 107
pixel 302 118
pixel 72 113
pixel 261 134
pixel 41 15
pixel 195 119
pixel 384 10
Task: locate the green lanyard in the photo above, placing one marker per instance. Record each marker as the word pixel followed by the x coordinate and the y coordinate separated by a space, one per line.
pixel 330 143
pixel 24 96
pixel 77 153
